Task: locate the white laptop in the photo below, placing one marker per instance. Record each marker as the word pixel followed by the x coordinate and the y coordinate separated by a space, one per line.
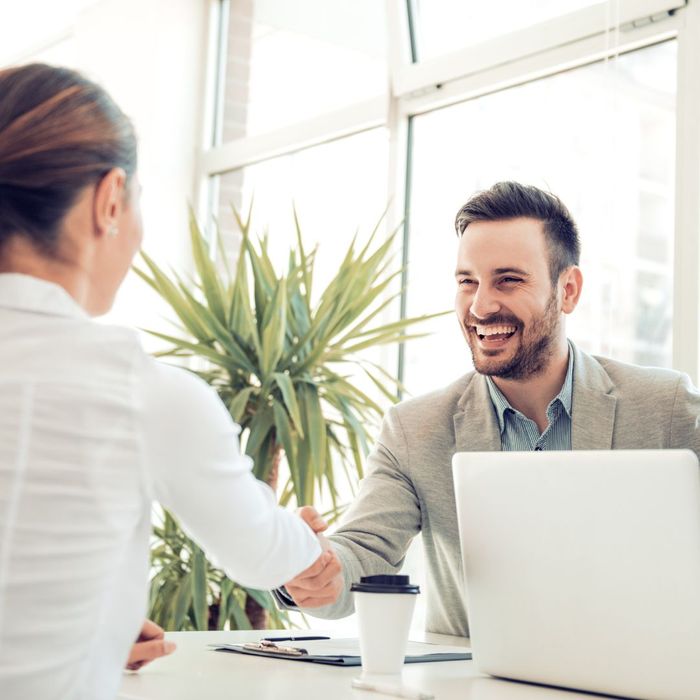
pixel 582 568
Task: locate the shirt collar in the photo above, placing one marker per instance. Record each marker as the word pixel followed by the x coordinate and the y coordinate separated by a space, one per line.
pixel 501 404
pixel 27 293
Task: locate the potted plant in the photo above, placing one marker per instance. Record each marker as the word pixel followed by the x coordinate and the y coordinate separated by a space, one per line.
pixel 280 363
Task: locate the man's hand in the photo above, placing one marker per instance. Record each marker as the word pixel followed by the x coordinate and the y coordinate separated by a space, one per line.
pixel 312 518
pixel 322 583
pixel 149 645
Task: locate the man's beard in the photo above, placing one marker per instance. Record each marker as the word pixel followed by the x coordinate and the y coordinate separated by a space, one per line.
pixel 535 347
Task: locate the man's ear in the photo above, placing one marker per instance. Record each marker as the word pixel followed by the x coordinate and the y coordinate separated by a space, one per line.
pixel 108 202
pixel 570 285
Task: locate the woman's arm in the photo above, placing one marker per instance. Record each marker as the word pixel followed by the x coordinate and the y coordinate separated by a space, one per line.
pixel 195 469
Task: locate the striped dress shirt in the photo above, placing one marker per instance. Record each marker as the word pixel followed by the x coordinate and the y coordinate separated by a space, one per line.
pixel 519 433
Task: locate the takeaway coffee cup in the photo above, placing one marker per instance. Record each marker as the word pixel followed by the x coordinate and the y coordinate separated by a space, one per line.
pixel 384 606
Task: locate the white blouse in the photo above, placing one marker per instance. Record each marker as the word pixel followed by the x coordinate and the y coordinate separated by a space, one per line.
pixel 92 430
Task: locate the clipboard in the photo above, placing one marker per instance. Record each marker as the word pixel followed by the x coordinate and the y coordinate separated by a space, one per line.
pixel 343 652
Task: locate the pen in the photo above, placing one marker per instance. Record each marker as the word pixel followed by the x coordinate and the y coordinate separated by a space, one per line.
pixel 386 689
pixel 292 639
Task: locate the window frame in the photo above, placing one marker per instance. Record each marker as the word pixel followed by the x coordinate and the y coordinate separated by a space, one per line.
pixel 602 31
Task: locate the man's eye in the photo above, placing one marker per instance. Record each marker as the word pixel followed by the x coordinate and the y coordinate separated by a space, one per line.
pixel 511 280
pixel 464 282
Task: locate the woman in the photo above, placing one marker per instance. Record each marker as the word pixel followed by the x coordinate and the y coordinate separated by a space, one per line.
pixel 92 430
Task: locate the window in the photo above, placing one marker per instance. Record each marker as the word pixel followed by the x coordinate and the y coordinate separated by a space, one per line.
pixel 590 114
pixel 340 107
pixel 602 138
pixel 444 25
pixel 336 188
pixel 290 61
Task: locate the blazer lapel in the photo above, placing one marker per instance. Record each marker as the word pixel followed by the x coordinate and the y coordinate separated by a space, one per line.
pixel 593 411
pixel 475 424
pixel 593 405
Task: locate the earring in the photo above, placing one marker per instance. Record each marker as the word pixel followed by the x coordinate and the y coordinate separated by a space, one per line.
pixel 112 230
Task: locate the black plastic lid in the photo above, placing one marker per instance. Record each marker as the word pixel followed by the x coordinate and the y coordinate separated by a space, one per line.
pixel 384 583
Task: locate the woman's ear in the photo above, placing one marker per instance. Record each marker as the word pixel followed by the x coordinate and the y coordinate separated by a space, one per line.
pixel 108 202
pixel 571 284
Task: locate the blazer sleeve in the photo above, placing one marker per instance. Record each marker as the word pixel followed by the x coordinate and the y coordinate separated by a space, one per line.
pixel 685 417
pixel 381 522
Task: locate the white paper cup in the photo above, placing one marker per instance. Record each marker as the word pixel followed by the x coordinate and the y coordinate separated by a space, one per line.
pixel 384 606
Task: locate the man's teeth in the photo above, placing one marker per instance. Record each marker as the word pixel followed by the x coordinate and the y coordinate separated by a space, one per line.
pixel 495 330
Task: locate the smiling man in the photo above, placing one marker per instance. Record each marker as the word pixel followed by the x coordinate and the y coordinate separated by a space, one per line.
pixel 517 279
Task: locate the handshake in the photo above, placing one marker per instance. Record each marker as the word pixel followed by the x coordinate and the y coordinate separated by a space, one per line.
pixel 322 583
pixel 319 585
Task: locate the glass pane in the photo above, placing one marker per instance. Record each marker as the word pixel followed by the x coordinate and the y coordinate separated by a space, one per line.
pixel 444 25
pixel 30 31
pixel 337 188
pixel 290 61
pixel 602 138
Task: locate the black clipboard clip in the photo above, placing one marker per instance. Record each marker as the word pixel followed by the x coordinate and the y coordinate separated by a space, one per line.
pixel 265 645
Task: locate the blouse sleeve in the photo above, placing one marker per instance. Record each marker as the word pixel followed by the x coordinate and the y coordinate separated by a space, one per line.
pixel 195 469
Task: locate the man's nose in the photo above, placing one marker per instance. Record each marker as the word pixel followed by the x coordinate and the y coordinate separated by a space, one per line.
pixel 484 303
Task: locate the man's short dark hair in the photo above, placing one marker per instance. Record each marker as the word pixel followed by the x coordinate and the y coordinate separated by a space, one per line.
pixel 511 200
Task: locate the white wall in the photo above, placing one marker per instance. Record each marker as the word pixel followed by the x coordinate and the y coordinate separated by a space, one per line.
pixel 150 55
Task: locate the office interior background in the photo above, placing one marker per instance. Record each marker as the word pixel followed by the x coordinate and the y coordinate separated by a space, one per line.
pixel 342 108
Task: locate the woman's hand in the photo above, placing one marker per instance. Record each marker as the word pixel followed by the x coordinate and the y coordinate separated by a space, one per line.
pixel 151 644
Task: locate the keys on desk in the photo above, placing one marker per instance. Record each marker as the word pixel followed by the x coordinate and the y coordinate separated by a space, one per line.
pixel 294 639
pixel 270 647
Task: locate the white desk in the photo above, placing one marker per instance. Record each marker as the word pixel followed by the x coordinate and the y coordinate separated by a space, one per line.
pixel 194 672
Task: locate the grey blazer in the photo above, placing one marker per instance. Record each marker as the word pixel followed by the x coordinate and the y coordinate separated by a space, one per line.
pixel 408 488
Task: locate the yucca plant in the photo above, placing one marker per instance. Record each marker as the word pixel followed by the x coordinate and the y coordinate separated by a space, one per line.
pixel 286 369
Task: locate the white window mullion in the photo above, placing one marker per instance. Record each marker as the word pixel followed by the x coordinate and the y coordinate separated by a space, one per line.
pixel 238 153
pixel 396 198
pixel 398 40
pixel 686 294
pixel 399 54
pixel 213 107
